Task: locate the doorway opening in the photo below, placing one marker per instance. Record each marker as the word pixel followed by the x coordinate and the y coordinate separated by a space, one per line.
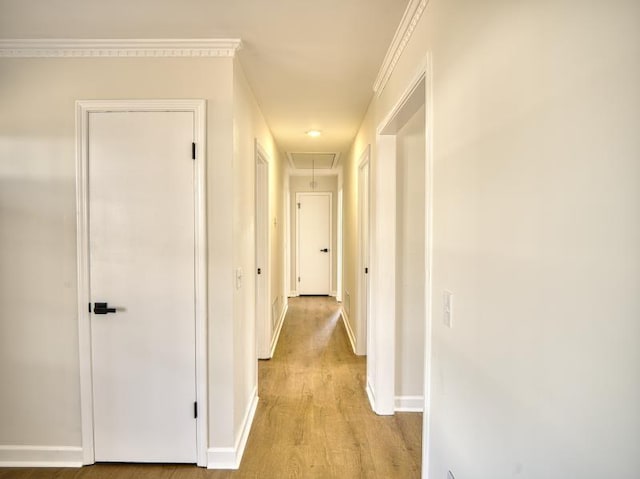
pixel 400 283
pixel 314 252
pixel 313 236
pixel 404 146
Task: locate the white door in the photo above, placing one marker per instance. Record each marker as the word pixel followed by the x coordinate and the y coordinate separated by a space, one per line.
pixel 314 243
pixel 141 253
pixel 263 321
pixel 364 336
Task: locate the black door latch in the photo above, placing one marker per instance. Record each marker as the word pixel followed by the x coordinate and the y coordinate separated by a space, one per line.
pixel 102 308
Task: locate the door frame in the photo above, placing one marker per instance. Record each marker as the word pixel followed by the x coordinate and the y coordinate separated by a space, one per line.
pixel 264 328
pixel 363 283
pixel 339 239
pixel 314 193
pixel 419 91
pixel 83 109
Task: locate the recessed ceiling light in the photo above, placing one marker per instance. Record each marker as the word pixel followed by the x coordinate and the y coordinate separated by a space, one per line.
pixel 314 133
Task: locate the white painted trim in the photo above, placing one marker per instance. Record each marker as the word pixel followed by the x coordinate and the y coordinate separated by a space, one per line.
pixel 287 240
pixel 82 253
pixel 276 336
pixel 339 245
pixel 201 281
pixel 371 395
pixel 409 403
pixel 389 124
pixel 407 25
pixel 312 193
pixel 198 108
pixel 293 294
pixel 428 257
pixel 101 48
pixel 333 294
pixel 41 456
pixel 347 327
pixel 381 350
pixel 231 457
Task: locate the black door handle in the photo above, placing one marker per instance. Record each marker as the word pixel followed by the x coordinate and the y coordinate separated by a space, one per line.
pixel 325 250
pixel 102 308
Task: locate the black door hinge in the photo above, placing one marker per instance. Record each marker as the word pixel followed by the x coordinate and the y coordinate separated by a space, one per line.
pixel 298 279
pixel 89 307
pixel 366 271
pixel 193 151
pixel 298 205
pixel 195 410
pixel 259 270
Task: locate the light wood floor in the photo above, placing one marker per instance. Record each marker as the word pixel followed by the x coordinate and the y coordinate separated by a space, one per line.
pixel 313 418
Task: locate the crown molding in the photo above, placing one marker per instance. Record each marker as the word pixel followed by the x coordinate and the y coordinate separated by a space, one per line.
pixel 410 19
pixel 81 48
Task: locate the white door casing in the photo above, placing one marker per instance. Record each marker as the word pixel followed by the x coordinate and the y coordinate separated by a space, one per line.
pixel 339 245
pixel 141 248
pixel 313 233
pixel 381 356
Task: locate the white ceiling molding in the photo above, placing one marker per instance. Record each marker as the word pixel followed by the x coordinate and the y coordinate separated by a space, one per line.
pixel 74 48
pixel 410 19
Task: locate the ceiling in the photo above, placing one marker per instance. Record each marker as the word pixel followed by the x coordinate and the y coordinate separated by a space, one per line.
pixel 311 64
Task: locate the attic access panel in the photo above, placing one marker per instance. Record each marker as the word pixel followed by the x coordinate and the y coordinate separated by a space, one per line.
pixel 317 161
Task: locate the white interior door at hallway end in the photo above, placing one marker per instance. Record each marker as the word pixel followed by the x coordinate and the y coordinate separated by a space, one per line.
pixel 314 243
pixel 141 256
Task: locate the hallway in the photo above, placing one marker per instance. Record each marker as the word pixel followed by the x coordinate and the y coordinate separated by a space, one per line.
pixel 313 419
pixel 312 398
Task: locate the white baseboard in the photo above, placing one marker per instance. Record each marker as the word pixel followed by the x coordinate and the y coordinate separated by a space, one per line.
pixel 230 457
pixel 409 404
pixel 40 456
pixel 333 293
pixel 293 294
pixel 371 395
pixel 276 337
pixel 347 326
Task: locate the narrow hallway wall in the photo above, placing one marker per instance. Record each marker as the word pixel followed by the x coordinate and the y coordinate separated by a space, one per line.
pixel 249 127
pixel 536 225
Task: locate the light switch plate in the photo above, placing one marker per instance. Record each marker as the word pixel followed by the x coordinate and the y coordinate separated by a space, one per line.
pixel 447 307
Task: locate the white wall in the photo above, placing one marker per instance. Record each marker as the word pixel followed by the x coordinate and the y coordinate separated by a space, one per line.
pixel 364 139
pixel 536 207
pixel 410 270
pixel 39 397
pixel 299 184
pixel 249 125
pixel 39 400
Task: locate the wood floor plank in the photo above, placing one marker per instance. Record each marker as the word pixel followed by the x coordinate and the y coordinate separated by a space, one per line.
pixel 313 419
